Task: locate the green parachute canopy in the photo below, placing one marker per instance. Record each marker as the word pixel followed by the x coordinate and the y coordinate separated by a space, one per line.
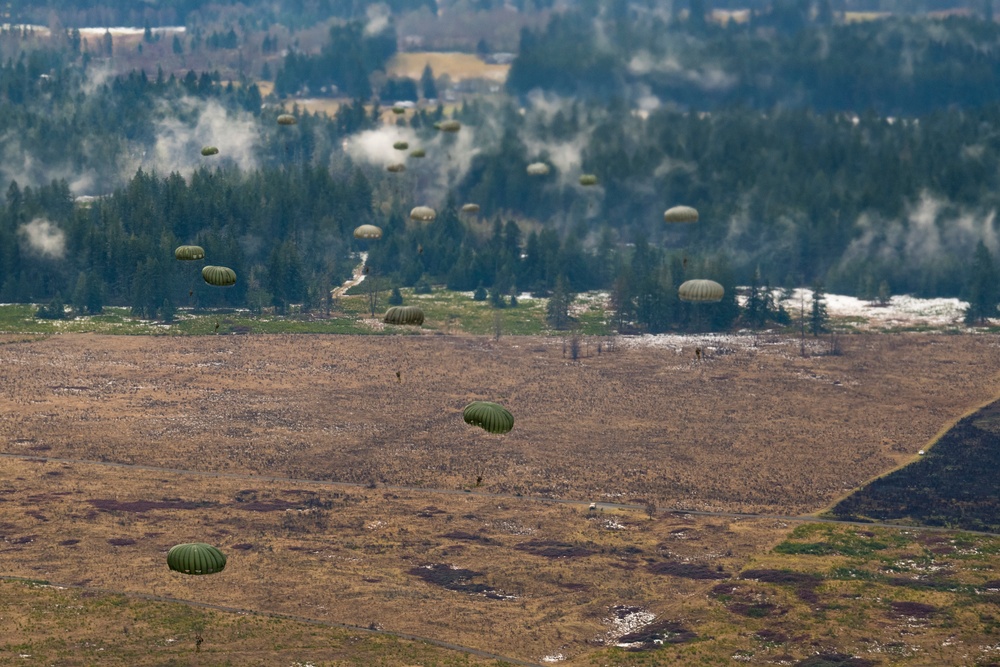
pixel 423 214
pixel 418 152
pixel 287 119
pixel 701 291
pixel 470 208
pixel 189 252
pixel 588 179
pixel 492 417
pixel 538 169
pixel 396 168
pixel 367 232
pixel 398 109
pixel 680 214
pixel 448 126
pixel 410 315
pixel 220 276
pixel 401 145
pixel 209 150
pixel 195 558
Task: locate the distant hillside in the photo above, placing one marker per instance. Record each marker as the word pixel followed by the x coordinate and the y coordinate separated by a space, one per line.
pixel 783 57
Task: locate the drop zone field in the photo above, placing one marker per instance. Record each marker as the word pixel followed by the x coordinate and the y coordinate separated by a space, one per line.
pixel 344 494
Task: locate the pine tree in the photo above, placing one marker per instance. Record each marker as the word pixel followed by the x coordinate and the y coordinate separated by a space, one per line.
pixel 818 317
pixel 427 84
pixel 557 311
pixel 755 310
pixel 981 290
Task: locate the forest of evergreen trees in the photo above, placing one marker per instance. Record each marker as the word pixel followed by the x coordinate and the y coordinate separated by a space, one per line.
pixel 345 62
pixel 784 58
pixel 858 202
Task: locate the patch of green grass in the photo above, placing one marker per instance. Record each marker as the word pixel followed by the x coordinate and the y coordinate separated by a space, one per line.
pixel 449 312
pixel 838 541
pixel 46 625
pixel 19 318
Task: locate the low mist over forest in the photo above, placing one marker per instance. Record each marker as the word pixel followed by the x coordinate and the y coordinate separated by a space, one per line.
pixel 818 148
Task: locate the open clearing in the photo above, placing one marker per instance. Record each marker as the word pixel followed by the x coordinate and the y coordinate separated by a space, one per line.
pixel 754 426
pixel 458 66
pixel 518 578
pixel 747 429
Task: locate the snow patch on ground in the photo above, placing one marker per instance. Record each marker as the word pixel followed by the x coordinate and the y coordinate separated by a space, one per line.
pixel 625 620
pixel 902 310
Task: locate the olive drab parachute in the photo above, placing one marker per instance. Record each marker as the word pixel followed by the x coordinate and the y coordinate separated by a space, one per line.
pixel 189 252
pixel 448 126
pixel 398 109
pixel 209 150
pixel 287 119
pixel 396 168
pixel 220 276
pixel 401 145
pixel 368 232
pixel 470 208
pixel 701 291
pixel 195 558
pixel 538 169
pixel 418 152
pixel 588 179
pixel 680 214
pixel 423 214
pixel 408 315
pixel 492 417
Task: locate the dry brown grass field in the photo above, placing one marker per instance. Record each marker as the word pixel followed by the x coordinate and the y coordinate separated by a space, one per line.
pixel 754 429
pixel 513 577
pixel 458 66
pixel 748 428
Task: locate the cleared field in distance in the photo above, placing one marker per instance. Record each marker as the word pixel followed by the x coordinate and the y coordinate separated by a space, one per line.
pixel 458 66
pixel 755 429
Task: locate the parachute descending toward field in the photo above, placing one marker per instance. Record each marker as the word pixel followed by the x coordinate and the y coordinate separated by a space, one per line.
pixel 209 150
pixel 448 126
pixel 537 169
pixel 189 252
pixel 680 214
pixel 220 276
pixel 588 180
pixel 701 291
pixel 368 232
pixel 396 168
pixel 491 417
pixel 195 558
pixel 423 214
pixel 287 119
pixel 470 208
pixel 418 152
pixel 404 315
pixel 401 145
